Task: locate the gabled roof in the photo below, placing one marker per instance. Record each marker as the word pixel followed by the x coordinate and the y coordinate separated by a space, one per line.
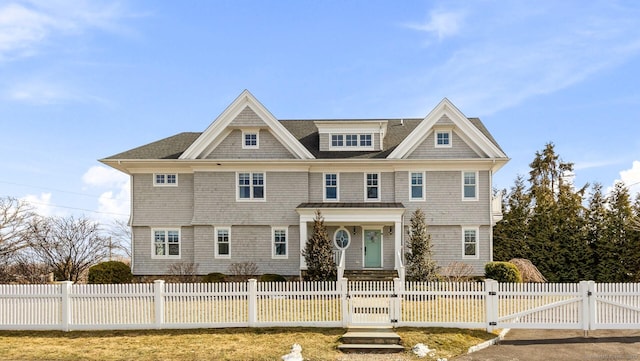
pixel 476 138
pixel 216 132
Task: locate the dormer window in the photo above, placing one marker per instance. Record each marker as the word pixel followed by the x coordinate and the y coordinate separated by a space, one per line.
pixel 443 139
pixel 351 142
pixel 250 140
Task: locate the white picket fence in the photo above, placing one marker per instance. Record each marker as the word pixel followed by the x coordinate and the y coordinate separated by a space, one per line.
pixel 66 306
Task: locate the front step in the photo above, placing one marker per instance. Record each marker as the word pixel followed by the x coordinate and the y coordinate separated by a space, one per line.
pixel 371 340
pixel 370 275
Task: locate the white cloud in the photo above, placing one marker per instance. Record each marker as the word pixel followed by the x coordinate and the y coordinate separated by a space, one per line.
pixel 631 177
pixel 442 23
pixel 25 26
pixel 115 200
pixel 42 204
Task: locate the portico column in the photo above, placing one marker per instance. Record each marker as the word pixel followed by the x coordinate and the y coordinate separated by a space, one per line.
pixel 303 243
pixel 398 243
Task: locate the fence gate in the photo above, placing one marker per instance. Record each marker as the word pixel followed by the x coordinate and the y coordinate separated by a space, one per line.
pixel 614 305
pixel 372 303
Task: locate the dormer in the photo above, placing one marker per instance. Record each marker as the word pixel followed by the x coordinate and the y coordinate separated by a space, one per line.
pixel 351 135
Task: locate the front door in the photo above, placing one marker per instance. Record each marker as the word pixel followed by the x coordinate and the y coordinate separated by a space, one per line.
pixel 372 249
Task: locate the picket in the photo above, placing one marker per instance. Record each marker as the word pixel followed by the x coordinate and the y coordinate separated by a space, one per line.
pixel 66 306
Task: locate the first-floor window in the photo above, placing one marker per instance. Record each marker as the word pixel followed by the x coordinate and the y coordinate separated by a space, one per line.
pixel 223 246
pixel 166 243
pixel 341 238
pixel 279 242
pixel 470 242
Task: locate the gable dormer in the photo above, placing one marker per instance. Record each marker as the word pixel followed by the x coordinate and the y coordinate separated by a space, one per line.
pixel 351 135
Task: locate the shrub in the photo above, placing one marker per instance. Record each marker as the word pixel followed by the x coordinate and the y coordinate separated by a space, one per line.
pixel 110 272
pixel 183 272
pixel 502 272
pixel 215 277
pixel 270 277
pixel 243 271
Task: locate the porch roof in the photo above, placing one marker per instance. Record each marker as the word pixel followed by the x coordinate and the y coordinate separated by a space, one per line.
pixel 351 205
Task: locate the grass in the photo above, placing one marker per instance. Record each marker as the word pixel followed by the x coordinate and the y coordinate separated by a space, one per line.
pixel 246 344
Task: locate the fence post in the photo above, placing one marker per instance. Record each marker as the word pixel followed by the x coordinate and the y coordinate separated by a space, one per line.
pixel 158 298
pixel 491 300
pixel 253 302
pixel 344 303
pixel 65 304
pixel 396 301
pixel 591 293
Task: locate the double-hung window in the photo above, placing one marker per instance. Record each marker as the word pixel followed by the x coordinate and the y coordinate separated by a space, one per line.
pixel 223 242
pixel 470 186
pixel 280 236
pixel 372 186
pixel 443 139
pixel 416 186
pixel 250 139
pixel 331 187
pixel 470 243
pixel 165 179
pixel 251 186
pixel 166 243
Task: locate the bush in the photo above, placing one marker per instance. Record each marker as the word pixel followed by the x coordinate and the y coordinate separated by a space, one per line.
pixel 270 277
pixel 502 272
pixel 110 272
pixel 215 277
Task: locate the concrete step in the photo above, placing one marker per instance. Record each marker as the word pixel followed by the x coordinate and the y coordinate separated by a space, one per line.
pixel 371 340
pixel 370 275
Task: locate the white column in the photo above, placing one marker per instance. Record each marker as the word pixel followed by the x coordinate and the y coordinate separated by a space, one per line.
pixel 303 243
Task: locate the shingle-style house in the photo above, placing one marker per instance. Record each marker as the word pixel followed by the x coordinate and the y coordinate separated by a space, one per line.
pixel 247 188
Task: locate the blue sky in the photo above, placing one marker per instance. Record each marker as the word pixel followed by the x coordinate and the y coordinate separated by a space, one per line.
pixel 83 80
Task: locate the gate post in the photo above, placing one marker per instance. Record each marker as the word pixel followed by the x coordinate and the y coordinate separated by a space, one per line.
pixel 491 301
pixel 158 300
pixel 252 302
pixel 65 304
pixel 396 302
pixel 344 304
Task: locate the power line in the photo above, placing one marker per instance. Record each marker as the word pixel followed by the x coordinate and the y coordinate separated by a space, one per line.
pixel 50 189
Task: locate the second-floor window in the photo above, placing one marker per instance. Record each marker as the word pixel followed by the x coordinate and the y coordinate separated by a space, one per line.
pixel 251 186
pixel 165 179
pixel 331 187
pixel 417 186
pixel 372 186
pixel 469 186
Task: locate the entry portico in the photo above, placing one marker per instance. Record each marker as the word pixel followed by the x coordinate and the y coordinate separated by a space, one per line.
pixel 367 224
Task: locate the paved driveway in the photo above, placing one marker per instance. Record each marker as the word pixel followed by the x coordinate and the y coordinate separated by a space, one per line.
pixel 543 345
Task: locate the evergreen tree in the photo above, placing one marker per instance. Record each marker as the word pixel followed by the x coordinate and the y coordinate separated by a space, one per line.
pixel 510 234
pixel 634 259
pixel 619 222
pixel 420 264
pixel 318 253
pixel 602 251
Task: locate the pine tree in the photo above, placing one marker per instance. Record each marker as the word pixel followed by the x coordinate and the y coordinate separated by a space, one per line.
pixel 602 251
pixel 619 222
pixel 510 234
pixel 420 264
pixel 634 257
pixel 318 253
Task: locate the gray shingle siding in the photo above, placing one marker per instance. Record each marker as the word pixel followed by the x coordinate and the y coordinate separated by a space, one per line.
pixel 458 150
pixel 269 148
pixel 162 205
pixel 145 264
pixel 248 118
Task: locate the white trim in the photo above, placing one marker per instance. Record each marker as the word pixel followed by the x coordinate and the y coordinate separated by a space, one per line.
pixel 379 186
pixel 217 131
pixel 166 231
pixel 273 242
pixel 324 187
pixel 215 241
pixel 476 229
pixel 246 132
pixel 478 141
pixel 335 240
pixel 449 138
pixel 424 188
pixel 373 228
pixel 251 197
pixel 165 184
pixel 477 186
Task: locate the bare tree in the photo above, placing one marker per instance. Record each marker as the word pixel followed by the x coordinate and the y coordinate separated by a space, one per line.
pixel 120 234
pixel 15 216
pixel 68 246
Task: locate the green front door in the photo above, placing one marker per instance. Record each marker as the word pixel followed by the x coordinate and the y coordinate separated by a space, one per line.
pixel 372 249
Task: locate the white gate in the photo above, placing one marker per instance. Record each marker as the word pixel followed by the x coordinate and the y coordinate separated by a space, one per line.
pixel 614 305
pixel 372 303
